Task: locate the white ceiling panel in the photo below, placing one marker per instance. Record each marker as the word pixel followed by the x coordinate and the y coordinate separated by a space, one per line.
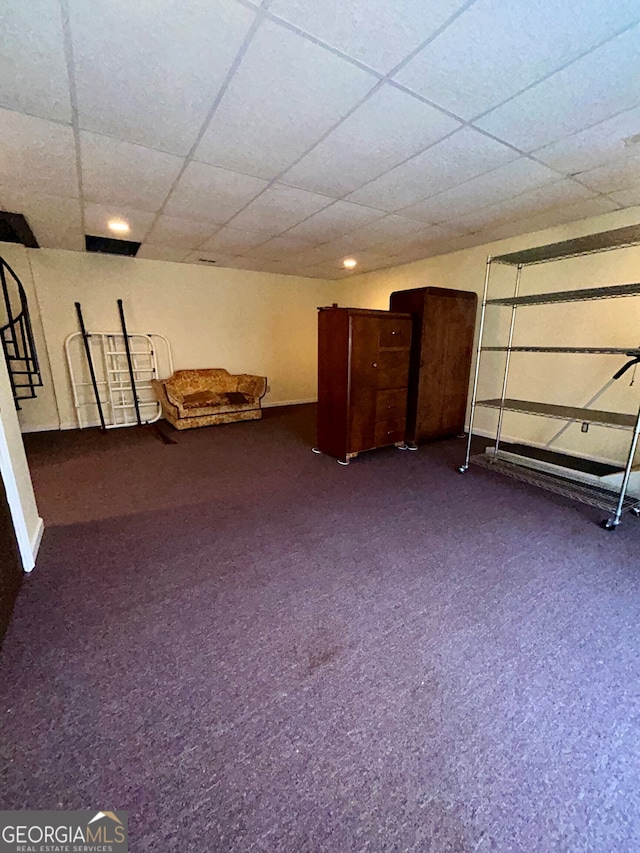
pixel 161 253
pixel 209 259
pixel 458 158
pixel 279 248
pixel 549 219
pixel 376 32
pixel 588 91
pixel 56 221
pixel 286 94
pixel 176 233
pixel 116 172
pixel 387 230
pixel 340 218
pixel 594 146
pixel 148 71
pixel 502 183
pixel 389 127
pixel 629 197
pixel 234 241
pixel 281 207
pixel 619 173
pixel 207 192
pixel 548 198
pixel 96 217
pixel 33 69
pixel 37 155
pixel 496 49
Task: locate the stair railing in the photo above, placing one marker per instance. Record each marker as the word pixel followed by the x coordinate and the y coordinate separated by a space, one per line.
pixel 16 337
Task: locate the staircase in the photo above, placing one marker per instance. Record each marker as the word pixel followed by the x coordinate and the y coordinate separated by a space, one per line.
pixel 16 337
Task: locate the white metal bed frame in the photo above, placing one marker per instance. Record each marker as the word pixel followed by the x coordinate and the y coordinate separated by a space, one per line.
pixel 113 378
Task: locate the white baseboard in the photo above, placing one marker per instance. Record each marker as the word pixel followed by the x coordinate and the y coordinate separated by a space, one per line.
pixel 510 439
pixel 271 404
pixel 36 539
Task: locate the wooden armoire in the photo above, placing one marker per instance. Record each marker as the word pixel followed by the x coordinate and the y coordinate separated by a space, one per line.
pixel 441 352
pixel 363 369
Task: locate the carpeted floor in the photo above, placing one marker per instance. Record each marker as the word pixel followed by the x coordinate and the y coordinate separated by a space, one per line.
pixel 252 648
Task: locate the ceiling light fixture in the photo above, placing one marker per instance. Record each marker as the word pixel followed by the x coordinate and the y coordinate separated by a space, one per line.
pixel 118 226
pixel 349 263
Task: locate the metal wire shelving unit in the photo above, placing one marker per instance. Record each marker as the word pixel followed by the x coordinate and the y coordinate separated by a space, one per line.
pixel 613 500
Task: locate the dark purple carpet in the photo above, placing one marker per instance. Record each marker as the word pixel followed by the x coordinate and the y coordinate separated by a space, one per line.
pixel 252 648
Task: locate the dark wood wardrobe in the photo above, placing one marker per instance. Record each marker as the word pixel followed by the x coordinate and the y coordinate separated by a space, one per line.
pixel 441 352
pixel 363 369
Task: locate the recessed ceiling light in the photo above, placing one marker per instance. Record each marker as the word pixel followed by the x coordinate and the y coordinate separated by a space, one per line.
pixel 118 226
pixel 349 263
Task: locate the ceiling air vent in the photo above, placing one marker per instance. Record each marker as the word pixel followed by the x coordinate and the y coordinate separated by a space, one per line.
pixel 14 228
pixel 111 246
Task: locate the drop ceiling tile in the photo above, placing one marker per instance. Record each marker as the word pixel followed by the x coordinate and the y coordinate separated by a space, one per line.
pixel 588 91
pixel 161 253
pixel 96 217
pixel 261 265
pixel 594 146
pixel 537 201
pixel 500 184
pixel 279 248
pixel 116 172
pixel 207 192
pixel 389 127
pixel 495 50
pixel 37 155
pixel 461 156
pixel 280 206
pixel 177 233
pixel 209 259
pixel 386 232
pixel 149 72
pixel 628 198
pixel 234 241
pixel 334 221
pixel 286 94
pixel 33 69
pixel 553 218
pixel 56 221
pixel 375 32
pixel 619 173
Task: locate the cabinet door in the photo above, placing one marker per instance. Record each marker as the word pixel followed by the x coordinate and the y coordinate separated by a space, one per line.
pixel 447 342
pixel 363 382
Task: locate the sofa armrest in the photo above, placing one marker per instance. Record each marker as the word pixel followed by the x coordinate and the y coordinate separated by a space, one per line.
pixel 252 386
pixel 161 393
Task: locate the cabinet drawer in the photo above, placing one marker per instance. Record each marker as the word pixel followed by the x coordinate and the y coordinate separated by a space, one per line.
pixel 395 334
pixel 393 369
pixel 388 432
pixel 391 404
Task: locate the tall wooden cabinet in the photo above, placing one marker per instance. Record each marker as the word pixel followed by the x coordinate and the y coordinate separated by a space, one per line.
pixel 441 352
pixel 363 368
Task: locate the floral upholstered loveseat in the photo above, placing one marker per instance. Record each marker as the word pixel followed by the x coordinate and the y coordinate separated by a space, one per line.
pixel 193 398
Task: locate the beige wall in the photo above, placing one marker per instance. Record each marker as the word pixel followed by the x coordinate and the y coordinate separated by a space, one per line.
pixel 569 379
pixel 244 321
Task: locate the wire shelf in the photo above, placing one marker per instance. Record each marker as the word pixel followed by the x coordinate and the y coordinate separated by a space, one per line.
pixel 598 496
pixel 631 352
pixel 584 294
pixel 617 420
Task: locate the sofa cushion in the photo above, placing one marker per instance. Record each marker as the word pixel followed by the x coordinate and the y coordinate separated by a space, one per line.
pixel 236 398
pixel 200 399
